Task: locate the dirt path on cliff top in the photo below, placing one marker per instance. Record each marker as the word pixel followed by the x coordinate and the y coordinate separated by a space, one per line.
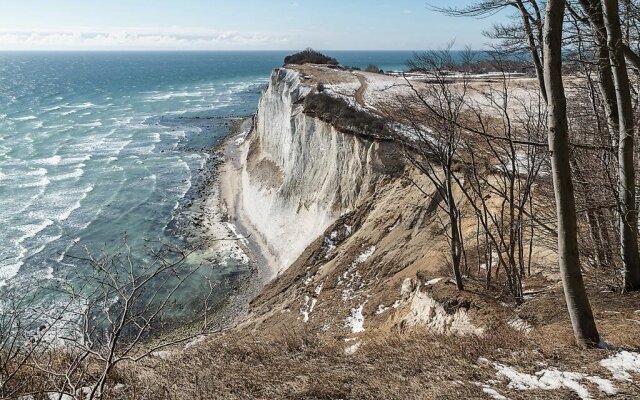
pixel 361 90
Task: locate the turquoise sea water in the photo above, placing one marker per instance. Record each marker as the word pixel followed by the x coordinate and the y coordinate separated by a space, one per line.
pixel 93 145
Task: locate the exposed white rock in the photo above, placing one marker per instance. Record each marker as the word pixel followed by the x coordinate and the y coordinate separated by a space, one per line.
pixel 425 311
pixel 299 168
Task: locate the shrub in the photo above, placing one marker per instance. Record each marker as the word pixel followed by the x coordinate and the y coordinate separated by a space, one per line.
pixel 310 56
pixel 373 68
pixel 344 117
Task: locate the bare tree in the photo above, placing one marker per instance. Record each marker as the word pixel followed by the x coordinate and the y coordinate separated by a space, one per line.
pixel 430 119
pixel 627 177
pixel 119 310
pixel 584 326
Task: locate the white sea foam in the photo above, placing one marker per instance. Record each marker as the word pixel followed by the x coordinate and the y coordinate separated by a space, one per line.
pixel 31 230
pixel 25 118
pixel 93 124
pixel 41 182
pixel 53 160
pixel 76 173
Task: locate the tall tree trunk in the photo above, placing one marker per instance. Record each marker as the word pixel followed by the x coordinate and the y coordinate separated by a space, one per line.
pixel 456 239
pixel 605 76
pixel 584 326
pixel 627 176
pixel 533 48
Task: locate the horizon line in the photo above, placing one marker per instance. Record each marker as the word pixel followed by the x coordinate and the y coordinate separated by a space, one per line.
pixel 213 50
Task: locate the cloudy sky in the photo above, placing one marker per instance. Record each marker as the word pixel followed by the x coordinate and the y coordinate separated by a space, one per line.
pixel 232 25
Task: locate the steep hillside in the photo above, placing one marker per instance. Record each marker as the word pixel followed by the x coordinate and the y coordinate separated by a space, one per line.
pixel 358 299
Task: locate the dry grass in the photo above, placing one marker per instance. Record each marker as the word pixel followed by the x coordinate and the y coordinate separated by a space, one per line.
pixel 415 365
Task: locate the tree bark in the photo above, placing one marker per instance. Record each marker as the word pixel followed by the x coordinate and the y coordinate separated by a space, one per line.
pixel 584 327
pixel 627 176
pixel 593 9
pixel 533 49
pixel 456 239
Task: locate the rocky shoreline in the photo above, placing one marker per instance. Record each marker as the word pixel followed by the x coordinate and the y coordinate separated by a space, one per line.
pixel 203 223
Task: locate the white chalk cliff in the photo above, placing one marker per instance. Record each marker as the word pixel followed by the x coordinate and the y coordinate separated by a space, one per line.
pixel 300 173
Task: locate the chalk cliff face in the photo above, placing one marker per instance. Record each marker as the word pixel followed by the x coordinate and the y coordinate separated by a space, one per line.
pixel 301 174
pixel 357 247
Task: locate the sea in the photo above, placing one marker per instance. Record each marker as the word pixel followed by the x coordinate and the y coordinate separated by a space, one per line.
pixel 100 146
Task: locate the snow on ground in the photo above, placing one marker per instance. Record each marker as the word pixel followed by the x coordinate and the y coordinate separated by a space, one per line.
pixel 356 320
pixel 351 278
pixel 554 379
pixel 520 325
pixel 622 364
pixel 353 348
pixel 492 393
pixel 307 308
pixel 434 281
pixel 364 256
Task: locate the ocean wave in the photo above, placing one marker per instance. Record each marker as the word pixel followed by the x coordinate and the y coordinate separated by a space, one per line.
pixel 53 160
pixel 26 118
pixel 76 173
pixel 35 172
pixel 42 182
pixel 30 230
pixel 93 124
pixel 81 106
pixel 170 95
pixel 8 271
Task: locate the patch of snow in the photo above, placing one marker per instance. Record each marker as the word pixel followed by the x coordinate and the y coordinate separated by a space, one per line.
pixel 621 364
pixel 305 310
pixel 356 320
pixel 352 349
pixel 434 281
pixel 553 379
pixel 364 256
pixel 330 247
pixel 381 309
pixel 520 325
pixel 59 396
pixel 318 289
pixel 195 341
pixel 604 385
pixel 493 393
pixel 163 354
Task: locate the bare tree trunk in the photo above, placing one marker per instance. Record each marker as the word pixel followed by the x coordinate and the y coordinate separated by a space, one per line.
pixel 605 76
pixel 627 176
pixel 584 326
pixel 456 239
pixel 533 49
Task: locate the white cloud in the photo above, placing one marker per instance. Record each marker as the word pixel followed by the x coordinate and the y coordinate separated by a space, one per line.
pixel 175 38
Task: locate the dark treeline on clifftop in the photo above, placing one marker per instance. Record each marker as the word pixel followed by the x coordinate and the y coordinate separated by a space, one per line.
pixel 310 56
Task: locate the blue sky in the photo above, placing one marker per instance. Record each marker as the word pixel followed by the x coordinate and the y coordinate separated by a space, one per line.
pixel 233 25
